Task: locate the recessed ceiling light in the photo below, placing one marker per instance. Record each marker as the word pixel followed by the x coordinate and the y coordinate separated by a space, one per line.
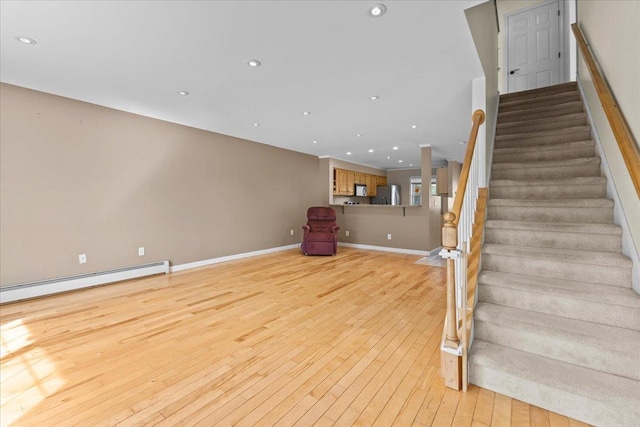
pixel 253 63
pixel 388 157
pixel 183 93
pixel 26 40
pixel 256 124
pixel 348 153
pixel 410 164
pixel 399 161
pixel 358 134
pixel 374 97
pixel 315 142
pixel 371 150
pixel 395 148
pixel 414 126
pixel 377 10
pixel 462 142
pixel 306 113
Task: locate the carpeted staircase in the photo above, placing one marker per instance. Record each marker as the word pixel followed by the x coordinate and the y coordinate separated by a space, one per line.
pixel 557 324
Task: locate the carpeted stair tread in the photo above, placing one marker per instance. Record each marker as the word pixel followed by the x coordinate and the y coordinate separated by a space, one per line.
pixel 557 227
pixel 552 203
pixel 592 396
pixel 581 180
pixel 546 100
pixel 570 107
pixel 591 210
pixel 545 137
pixel 607 259
pixel 592 345
pixel 537 93
pixel 548 163
pixel 550 169
pixel 557 122
pixel 559 235
pixel 535 148
pixel 619 307
pixel 563 288
pixel 535 153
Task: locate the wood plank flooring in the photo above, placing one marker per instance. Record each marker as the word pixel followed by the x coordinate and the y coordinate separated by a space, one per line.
pixel 279 339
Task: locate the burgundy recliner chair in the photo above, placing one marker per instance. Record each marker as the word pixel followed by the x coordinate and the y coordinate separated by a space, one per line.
pixel 320 232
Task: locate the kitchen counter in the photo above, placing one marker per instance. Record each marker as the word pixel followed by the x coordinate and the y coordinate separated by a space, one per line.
pixel 369 206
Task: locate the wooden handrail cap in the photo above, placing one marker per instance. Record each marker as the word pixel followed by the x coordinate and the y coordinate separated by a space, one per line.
pixel 449 217
pixel 479 115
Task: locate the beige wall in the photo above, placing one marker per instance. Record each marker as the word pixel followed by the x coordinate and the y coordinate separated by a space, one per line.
pixel 611 28
pixel 79 178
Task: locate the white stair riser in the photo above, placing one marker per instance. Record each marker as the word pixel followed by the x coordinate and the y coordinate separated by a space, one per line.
pixel 559 123
pixel 558 269
pixel 572 308
pixel 544 214
pixel 552 399
pixel 574 352
pixel 554 239
pixel 546 192
pixel 509 141
pixel 551 172
pixel 586 149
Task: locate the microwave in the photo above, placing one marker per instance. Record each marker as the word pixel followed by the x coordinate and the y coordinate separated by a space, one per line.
pixel 361 190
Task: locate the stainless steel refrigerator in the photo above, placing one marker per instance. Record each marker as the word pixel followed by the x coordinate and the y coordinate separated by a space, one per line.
pixel 387 195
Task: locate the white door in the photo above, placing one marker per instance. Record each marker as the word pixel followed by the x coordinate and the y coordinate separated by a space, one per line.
pixel 533 48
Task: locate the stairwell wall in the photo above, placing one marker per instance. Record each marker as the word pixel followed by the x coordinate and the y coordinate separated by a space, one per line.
pixel 484 30
pixel 614 36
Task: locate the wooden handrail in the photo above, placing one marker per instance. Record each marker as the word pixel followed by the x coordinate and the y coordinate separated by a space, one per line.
pixel 626 142
pixel 477 120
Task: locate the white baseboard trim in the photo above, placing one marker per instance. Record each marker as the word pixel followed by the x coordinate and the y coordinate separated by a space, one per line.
pixel 386 249
pixel 66 284
pixel 181 267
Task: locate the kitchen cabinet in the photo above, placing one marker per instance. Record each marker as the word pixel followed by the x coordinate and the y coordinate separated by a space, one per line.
pixel 344 182
pixel 350 182
pixel 372 191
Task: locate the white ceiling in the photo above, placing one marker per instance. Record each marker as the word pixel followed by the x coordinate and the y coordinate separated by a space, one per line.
pixel 325 57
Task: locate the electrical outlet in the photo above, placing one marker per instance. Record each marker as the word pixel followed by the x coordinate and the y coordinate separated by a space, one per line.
pixel 388 236
pixel 346 233
pixel 141 251
pixel 82 258
pixel 292 231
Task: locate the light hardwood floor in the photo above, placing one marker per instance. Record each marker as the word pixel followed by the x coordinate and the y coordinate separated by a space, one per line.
pixel 279 339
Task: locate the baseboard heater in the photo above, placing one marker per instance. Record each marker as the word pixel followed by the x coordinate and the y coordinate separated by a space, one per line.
pixel 64 284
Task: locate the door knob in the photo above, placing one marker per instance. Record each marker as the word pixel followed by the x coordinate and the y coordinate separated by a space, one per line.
pixel 514 71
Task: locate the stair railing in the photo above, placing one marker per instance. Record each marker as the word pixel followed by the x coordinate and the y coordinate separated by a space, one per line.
pixel 626 142
pixel 456 236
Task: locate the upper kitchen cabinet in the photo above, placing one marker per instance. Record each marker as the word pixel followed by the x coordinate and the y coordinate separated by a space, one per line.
pixel 381 180
pixel 372 191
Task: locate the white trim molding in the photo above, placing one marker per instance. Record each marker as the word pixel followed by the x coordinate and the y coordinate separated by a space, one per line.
pixel 196 264
pixel 386 249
